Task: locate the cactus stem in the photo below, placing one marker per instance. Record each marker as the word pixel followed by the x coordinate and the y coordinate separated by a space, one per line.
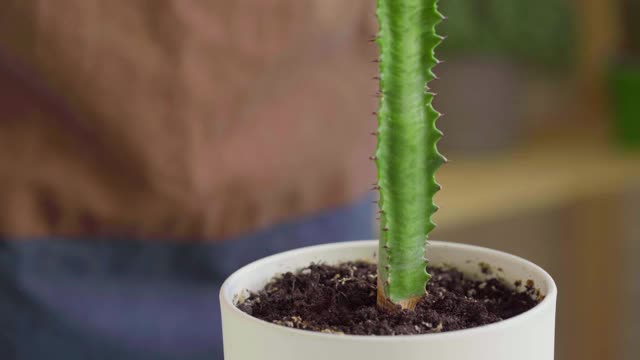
pixel 406 151
pixel 387 304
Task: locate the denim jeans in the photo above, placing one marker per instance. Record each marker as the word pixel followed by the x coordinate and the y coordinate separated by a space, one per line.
pixel 118 299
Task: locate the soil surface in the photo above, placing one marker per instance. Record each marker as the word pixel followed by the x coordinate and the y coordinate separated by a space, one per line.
pixel 342 299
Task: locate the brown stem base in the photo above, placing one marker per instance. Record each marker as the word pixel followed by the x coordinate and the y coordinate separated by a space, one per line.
pixel 385 303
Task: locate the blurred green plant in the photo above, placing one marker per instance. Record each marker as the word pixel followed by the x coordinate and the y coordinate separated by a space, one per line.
pixel 536 33
pixel 625 89
pixel 624 79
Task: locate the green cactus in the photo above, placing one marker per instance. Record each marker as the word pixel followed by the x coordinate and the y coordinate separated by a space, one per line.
pixel 406 155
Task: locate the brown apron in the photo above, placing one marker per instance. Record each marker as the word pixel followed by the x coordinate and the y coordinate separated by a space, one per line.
pixel 182 118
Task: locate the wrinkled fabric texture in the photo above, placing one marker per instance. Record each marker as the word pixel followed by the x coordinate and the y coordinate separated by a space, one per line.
pixel 192 119
pixel 109 299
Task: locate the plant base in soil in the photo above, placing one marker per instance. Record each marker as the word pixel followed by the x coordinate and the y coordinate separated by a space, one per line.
pixel 342 299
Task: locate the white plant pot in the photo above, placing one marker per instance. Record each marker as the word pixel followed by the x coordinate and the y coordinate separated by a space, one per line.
pixel 529 336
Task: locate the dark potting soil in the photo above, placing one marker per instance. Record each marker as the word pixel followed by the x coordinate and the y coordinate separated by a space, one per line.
pixel 342 299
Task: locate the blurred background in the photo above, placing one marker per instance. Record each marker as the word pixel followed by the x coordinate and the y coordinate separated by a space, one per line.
pixel 542 130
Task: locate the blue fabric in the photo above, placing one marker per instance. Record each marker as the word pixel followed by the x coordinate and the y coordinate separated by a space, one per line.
pixel 89 299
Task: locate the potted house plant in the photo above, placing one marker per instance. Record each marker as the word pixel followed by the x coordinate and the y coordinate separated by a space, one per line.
pixel 342 299
pixel 625 80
